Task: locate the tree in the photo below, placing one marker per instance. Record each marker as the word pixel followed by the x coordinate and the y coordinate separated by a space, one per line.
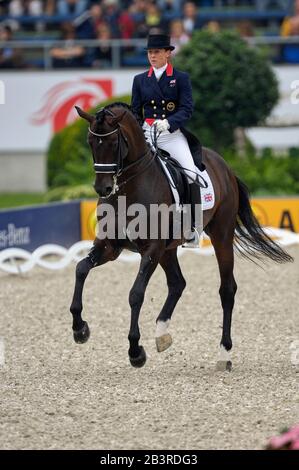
pixel 233 85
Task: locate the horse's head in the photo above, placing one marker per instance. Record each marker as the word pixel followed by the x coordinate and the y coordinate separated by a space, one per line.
pixel 109 147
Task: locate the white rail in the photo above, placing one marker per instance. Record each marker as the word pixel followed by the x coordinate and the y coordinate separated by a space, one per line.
pixel 19 261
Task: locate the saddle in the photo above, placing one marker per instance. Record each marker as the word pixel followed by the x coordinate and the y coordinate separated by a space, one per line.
pixel 177 172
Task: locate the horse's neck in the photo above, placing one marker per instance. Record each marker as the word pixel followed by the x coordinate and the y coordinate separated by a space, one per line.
pixel 139 146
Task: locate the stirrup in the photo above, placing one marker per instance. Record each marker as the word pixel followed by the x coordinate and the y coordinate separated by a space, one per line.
pixel 193 241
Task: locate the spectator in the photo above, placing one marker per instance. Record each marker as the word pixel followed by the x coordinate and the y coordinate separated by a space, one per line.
pixel 137 7
pixel 26 7
pixel 153 15
pixel 102 55
pixel 154 22
pixel 50 7
pixel 245 29
pixel 172 6
pixel 71 7
pixel 4 6
pixel 213 27
pixel 9 57
pixel 111 14
pixel 190 17
pixel 88 23
pixel 178 36
pixel 70 55
pixel 290 27
pixel 126 25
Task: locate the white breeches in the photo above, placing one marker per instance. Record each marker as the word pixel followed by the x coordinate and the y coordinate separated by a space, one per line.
pixel 176 145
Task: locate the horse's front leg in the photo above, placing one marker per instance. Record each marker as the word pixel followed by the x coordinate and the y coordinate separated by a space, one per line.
pixel 149 261
pixel 101 252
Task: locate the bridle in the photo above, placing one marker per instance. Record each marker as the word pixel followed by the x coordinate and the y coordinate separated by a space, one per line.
pixel 117 169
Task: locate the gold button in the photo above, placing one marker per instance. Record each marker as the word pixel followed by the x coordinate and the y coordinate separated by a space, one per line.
pixel 155 107
pixel 153 102
pixel 155 115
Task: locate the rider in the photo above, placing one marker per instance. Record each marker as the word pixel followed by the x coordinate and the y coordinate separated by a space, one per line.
pixel 162 96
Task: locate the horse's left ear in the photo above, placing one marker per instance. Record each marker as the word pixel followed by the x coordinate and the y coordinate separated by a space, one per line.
pixel 112 121
pixel 88 117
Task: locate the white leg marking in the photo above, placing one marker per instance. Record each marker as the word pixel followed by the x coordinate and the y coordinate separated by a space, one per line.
pixel 224 355
pixel 161 328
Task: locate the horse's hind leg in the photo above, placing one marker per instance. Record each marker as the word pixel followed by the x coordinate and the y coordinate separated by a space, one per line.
pixel 176 284
pixel 100 253
pixel 222 238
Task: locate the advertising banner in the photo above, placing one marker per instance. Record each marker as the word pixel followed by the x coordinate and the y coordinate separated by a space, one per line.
pixel 270 212
pixel 31 227
pixel 38 104
pixel 34 105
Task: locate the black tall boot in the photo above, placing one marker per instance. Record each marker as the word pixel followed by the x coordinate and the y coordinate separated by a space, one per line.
pixel 192 237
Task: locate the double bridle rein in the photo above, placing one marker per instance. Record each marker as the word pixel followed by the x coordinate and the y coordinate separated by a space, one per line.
pixel 118 169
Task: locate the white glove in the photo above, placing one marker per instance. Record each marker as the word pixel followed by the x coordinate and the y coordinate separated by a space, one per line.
pixel 162 125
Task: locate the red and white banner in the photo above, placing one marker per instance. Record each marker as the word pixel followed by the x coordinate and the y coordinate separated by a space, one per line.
pixel 33 105
pixel 38 104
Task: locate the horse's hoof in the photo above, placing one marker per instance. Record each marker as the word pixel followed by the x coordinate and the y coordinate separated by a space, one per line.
pixel 163 342
pixel 81 336
pixel 140 360
pixel 223 366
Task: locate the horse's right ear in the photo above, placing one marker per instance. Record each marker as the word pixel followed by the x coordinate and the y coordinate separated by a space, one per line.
pixel 88 117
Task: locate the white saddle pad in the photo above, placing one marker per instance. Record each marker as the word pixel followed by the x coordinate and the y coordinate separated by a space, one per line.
pixel 207 194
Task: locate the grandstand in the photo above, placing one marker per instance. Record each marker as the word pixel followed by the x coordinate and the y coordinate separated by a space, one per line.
pixel 57 53
pixel 45 34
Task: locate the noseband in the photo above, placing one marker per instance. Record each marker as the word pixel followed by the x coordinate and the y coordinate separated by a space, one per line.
pixel 117 169
pixel 106 167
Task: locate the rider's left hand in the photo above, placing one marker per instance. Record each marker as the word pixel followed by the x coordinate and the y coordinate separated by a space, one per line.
pixel 162 125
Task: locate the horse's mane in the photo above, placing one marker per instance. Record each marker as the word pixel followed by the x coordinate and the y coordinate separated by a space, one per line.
pixel 100 115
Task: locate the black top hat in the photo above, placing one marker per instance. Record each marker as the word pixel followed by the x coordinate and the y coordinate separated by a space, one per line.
pixel 159 41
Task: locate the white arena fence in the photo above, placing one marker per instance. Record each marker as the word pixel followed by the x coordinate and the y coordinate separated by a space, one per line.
pixel 20 261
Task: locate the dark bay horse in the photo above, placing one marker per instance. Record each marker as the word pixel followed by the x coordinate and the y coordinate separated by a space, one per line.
pixel 125 165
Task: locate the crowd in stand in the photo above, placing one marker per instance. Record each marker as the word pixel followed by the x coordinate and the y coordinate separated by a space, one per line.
pixel 115 19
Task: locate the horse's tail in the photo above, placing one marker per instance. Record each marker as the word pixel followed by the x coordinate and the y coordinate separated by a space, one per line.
pixel 251 240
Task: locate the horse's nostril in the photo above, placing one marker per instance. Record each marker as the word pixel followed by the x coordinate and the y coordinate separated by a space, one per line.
pixel 97 190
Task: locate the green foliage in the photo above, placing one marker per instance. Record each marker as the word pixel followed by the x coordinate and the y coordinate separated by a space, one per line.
pixel 8 200
pixel 67 193
pixel 69 156
pixel 267 174
pixel 233 85
pixel 228 93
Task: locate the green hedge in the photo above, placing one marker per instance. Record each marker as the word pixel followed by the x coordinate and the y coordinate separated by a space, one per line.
pixel 267 174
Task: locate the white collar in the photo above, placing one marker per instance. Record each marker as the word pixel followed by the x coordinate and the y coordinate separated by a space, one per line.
pixel 160 71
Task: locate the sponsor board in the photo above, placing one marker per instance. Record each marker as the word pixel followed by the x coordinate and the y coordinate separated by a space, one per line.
pixel 31 227
pixel 270 212
pixel 38 115
pixel 40 104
